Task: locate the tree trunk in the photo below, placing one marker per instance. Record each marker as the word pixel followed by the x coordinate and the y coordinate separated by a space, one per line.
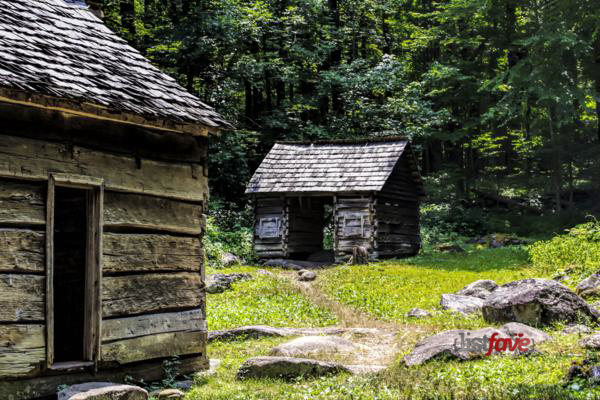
pixel 127 10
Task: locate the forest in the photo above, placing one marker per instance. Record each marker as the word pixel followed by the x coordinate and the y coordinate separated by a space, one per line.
pixel 498 96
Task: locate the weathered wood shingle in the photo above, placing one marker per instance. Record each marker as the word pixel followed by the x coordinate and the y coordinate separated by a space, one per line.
pixel 61 50
pixel 329 167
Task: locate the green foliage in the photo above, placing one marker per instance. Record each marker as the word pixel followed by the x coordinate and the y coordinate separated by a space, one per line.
pixel 217 241
pixel 577 252
pixel 264 300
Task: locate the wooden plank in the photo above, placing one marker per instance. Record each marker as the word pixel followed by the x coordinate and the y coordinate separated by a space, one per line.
pixel 148 293
pixel 49 288
pixel 155 346
pixel 147 212
pixel 144 325
pixel 267 247
pixel 34 159
pixel 22 251
pixel 22 298
pixel 22 349
pixel 46 386
pixel 151 253
pixel 22 203
pixel 270 254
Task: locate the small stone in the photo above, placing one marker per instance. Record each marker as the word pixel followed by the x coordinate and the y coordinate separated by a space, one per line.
pixel 170 394
pixel 264 272
pixel 589 286
pixel 102 391
pixel 461 304
pixel 301 271
pixel 219 283
pixel 229 259
pixel 307 276
pixel 577 329
pixel 418 313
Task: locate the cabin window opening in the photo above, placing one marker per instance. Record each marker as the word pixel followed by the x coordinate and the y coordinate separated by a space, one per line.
pixel 328 228
pixel 73 271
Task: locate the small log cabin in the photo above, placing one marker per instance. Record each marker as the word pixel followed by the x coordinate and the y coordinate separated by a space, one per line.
pixel 371 190
pixel 103 185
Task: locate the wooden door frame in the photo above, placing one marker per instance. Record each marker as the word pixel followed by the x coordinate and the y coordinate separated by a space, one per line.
pixel 93 276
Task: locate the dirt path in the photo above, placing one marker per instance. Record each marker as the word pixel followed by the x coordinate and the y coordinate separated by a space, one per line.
pixel 382 346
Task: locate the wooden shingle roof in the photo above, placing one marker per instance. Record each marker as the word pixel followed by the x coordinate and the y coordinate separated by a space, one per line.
pixel 58 55
pixel 327 167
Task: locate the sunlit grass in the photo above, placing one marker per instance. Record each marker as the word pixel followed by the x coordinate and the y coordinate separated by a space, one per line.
pixel 264 300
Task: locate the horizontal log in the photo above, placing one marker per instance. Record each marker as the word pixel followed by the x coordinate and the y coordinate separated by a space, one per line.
pixel 270 254
pixel 146 253
pixel 148 293
pixel 144 325
pixel 267 247
pixel 22 251
pixel 22 298
pixel 397 238
pixel 147 212
pixel 155 346
pixel 31 159
pixel 22 350
pixel 22 203
pixel 269 210
pixel 408 228
pixel 349 244
pixel 148 372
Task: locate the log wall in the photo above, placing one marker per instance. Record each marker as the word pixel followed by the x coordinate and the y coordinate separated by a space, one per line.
pixel 397 214
pixel 270 227
pixel 153 272
pixel 354 225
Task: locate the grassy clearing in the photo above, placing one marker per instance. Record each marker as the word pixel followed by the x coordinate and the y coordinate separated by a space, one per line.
pixel 264 300
pixel 388 290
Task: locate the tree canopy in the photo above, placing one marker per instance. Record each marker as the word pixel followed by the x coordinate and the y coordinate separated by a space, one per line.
pixel 499 96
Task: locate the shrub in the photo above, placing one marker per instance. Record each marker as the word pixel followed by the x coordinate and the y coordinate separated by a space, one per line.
pixel 578 251
pixel 217 241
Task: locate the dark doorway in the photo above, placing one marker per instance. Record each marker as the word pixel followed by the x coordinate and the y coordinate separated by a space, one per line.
pixel 70 266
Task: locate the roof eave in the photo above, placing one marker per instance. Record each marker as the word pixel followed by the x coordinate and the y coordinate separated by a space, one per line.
pixel 90 110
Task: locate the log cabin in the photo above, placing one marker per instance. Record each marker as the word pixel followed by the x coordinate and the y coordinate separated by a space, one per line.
pixel 367 191
pixel 103 185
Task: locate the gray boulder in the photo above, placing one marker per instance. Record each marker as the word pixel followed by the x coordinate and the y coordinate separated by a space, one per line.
pixel 516 328
pixel 418 313
pixel 287 368
pixel 450 344
pixel 535 302
pixel 589 286
pixel 307 276
pixel 591 342
pixel 481 288
pixel 102 391
pixel 311 345
pixel 577 329
pixel 212 369
pixel 230 259
pixel 461 304
pixel 453 344
pixel 218 283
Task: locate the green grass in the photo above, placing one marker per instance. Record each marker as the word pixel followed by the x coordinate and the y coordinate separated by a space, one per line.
pixel 264 300
pixel 388 290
